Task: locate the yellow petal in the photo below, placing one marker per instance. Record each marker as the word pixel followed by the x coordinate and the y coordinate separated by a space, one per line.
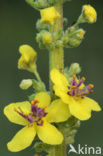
pixel 27 52
pixel 22 139
pixel 89 13
pixel 49 15
pixel 82 108
pixel 91 104
pixel 14 116
pixel 62 94
pixel 58 111
pixel 44 99
pixel 59 79
pixel 49 134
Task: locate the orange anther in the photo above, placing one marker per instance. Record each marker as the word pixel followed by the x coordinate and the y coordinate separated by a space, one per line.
pixel 45 107
pixel 83 79
pixel 73 87
pixel 26 115
pixel 74 76
pixel 16 111
pixel 91 86
pixel 34 102
pixel 36 155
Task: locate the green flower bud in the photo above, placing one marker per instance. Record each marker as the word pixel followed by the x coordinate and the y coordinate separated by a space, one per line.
pixel 74 68
pixel 73 37
pixel 25 84
pixel 44 38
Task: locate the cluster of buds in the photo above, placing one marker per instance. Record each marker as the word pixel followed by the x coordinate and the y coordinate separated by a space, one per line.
pixel 41 4
pixel 73 37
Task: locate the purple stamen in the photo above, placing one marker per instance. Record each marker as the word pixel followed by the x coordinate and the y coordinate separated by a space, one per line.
pixel 85 88
pixel 36 114
pixel 75 91
pixel 80 82
pixel 34 109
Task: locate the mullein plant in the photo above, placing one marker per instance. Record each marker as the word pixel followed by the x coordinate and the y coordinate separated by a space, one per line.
pixel 51 118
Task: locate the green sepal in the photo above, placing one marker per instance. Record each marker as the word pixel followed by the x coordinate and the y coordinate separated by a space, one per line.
pixel 31 97
pixel 38 86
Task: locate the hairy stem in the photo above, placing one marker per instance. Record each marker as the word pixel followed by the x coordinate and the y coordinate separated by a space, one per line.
pixel 56 56
pixel 56 60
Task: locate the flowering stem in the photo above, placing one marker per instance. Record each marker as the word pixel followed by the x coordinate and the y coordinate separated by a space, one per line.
pixel 37 76
pixel 56 56
pixel 56 60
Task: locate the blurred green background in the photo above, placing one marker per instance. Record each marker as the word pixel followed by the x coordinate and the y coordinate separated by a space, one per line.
pixel 17 26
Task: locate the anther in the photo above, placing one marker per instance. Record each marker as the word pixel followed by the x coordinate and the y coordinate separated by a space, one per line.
pixel 16 111
pixel 44 107
pixel 36 155
pixel 74 76
pixel 91 86
pixel 83 79
pixel 73 87
pixel 35 102
pixel 26 115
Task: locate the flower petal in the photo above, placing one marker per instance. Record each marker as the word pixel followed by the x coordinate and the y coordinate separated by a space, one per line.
pixel 62 94
pixel 14 116
pixel 59 79
pixel 91 104
pixel 27 52
pixel 49 134
pixel 22 139
pixel 58 111
pixel 44 99
pixel 82 108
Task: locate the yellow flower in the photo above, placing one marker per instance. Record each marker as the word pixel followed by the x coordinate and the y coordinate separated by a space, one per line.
pixel 89 13
pixel 74 95
pixel 37 117
pixel 49 15
pixel 28 57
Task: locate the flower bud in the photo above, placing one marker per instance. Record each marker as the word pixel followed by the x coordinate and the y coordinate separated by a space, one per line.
pixel 80 33
pixel 44 38
pixel 88 14
pixel 25 84
pixel 47 38
pixel 74 68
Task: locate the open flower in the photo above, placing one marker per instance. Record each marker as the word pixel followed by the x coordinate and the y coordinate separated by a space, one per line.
pixel 49 15
pixel 74 95
pixel 37 117
pixel 28 58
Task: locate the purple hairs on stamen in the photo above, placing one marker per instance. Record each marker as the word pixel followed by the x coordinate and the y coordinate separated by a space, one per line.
pixel 41 123
pixel 34 109
pixel 80 82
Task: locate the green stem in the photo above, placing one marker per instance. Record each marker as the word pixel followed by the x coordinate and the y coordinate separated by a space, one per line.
pixel 56 60
pixel 56 56
pixel 37 76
